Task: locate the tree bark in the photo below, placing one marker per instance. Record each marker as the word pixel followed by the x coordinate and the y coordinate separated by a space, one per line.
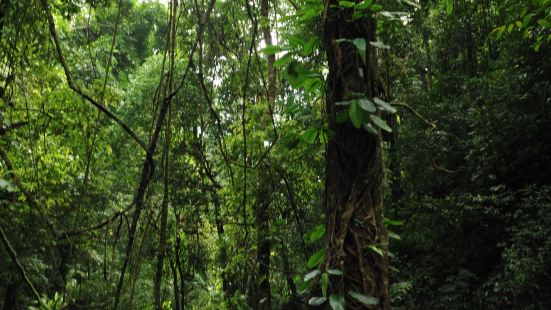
pixel 262 203
pixel 353 202
pixel 264 301
pixel 166 197
pixel 175 284
pixel 223 252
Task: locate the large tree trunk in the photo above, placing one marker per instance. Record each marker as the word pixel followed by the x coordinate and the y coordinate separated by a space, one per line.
pixel 354 206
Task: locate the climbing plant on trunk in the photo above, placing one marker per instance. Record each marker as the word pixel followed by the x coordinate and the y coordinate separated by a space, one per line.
pixel 356 238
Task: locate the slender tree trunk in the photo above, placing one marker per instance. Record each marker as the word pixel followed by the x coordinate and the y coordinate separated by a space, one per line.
pixel 163 229
pixel 175 284
pixel 166 198
pixel 181 271
pixel 262 204
pixel 354 205
pixel 287 272
pixel 395 174
pixel 263 252
pixel 223 252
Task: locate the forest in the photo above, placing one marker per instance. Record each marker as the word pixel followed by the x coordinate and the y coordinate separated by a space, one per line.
pixel 275 154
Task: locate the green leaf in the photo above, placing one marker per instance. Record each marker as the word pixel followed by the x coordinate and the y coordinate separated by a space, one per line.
pixel 376 7
pixel 371 129
pixel 337 302
pixel 312 274
pixel 271 50
pixel 324 283
pixel 367 105
pixel 544 23
pixel 316 258
pixel 526 20
pixel 389 222
pixel 309 135
pixel 393 235
pixel 412 3
pixel 316 301
pixel 316 233
pixel 376 249
pixel 334 272
pixel 379 44
pixel 311 12
pixel 346 4
pixel 358 14
pixel 361 46
pixel 283 61
pixel 308 48
pixel 295 41
pixel 380 123
pixel 342 117
pixel 366 300
pixel 449 7
pixel 357 115
pixel 385 106
pixel 364 5
pixel 325 134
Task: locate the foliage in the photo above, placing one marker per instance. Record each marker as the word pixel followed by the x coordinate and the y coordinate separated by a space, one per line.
pixel 463 112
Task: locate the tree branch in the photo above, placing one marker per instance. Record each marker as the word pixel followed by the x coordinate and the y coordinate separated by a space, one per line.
pixel 20 268
pixel 72 84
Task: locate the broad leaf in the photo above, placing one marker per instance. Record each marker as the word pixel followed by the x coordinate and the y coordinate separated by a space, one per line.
pixel 367 105
pixel 334 272
pixel 384 105
pixel 449 7
pixel 364 5
pixel 376 249
pixel 337 302
pixel 380 123
pixel 316 258
pixel 346 4
pixel 393 235
pixel 412 3
pixel 342 117
pixel 357 115
pixel 366 300
pixel 324 283
pixel 389 222
pixel 361 46
pixel 312 274
pixel 379 44
pixel 271 50
pixel 316 233
pixel 308 48
pixel 309 135
pixel 316 301
pixel 283 61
